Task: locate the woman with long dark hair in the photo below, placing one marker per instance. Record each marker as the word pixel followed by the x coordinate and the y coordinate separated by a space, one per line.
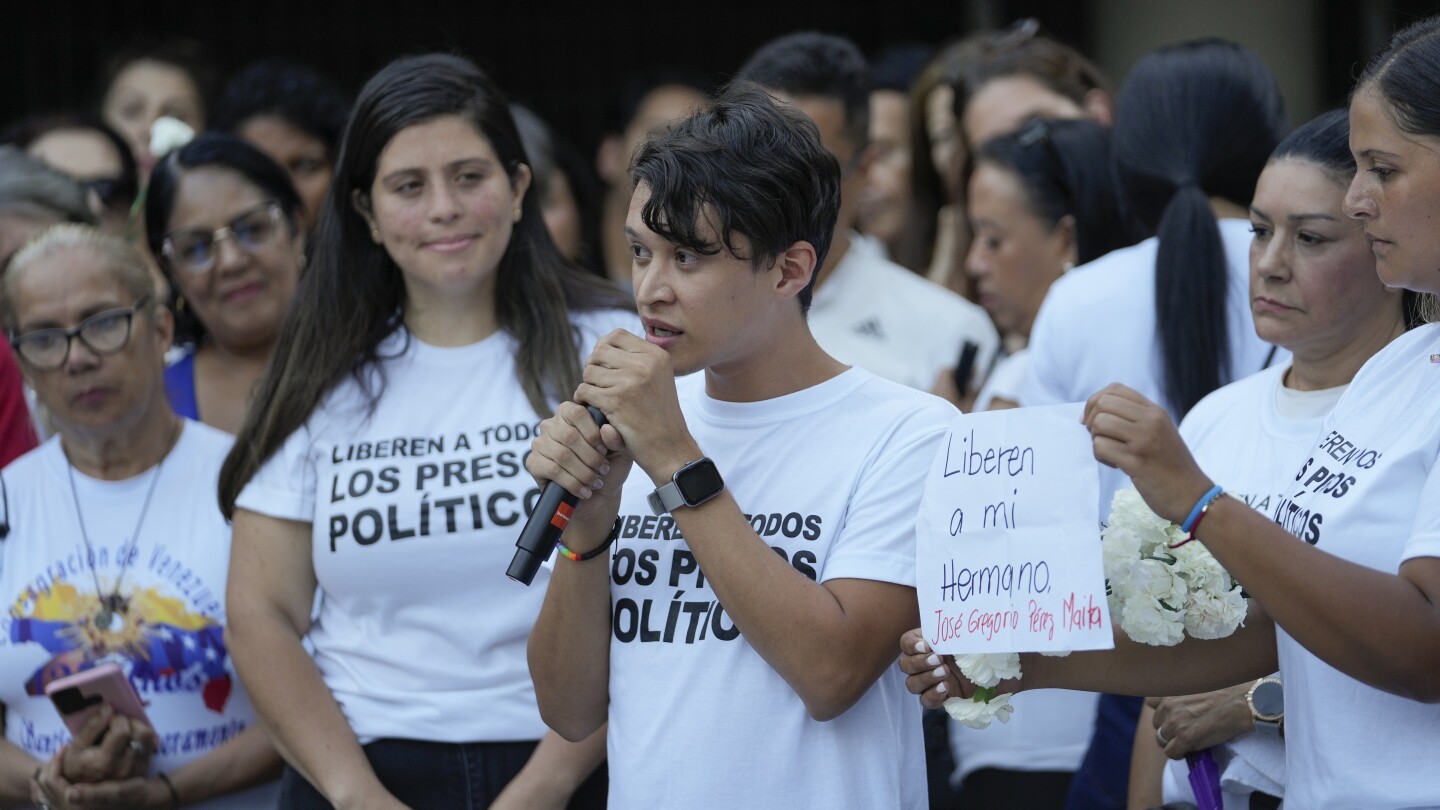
pixel 434 327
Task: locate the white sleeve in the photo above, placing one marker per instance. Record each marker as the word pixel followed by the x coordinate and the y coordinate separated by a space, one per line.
pixel 1424 538
pixel 877 541
pixel 284 486
pixel 1047 371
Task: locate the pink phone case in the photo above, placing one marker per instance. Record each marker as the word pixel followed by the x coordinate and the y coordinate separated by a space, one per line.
pixel 78 697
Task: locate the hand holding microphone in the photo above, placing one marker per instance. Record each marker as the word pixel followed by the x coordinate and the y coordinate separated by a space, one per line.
pixel 569 450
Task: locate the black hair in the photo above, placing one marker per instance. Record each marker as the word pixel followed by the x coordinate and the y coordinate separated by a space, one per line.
pixel 750 165
pixel 349 299
pixel 187 55
pixel 1324 142
pixel 210 149
pixel 1064 169
pixel 1195 120
pixel 821 65
pixel 638 87
pixel 298 95
pixel 898 66
pixel 1407 74
pixel 28 130
pixel 550 155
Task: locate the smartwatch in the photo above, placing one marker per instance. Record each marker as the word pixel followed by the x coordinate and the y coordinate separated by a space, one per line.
pixel 691 485
pixel 1266 699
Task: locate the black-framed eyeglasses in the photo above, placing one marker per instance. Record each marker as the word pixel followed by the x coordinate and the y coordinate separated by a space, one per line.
pixel 102 333
pixel 196 250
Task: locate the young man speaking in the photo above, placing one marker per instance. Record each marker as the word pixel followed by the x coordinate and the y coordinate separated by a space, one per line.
pixel 740 640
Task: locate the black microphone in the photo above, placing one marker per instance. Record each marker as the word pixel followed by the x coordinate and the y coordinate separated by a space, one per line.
pixel 542 531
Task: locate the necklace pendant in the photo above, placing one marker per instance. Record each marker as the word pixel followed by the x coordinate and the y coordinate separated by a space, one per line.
pixel 102 618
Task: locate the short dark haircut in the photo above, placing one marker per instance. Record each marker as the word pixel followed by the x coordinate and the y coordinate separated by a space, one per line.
pixel 1064 170
pixel 750 165
pixel 821 65
pixel 294 93
pixel 210 149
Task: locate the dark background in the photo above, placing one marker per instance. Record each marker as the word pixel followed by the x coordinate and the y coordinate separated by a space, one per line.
pixel 567 61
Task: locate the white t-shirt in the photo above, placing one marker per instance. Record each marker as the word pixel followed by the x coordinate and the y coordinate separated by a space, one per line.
pixel 1005 380
pixel 1097 326
pixel 1368 491
pixel 872 313
pixel 414 511
pixel 1050 731
pixel 1249 437
pixel 170 640
pixel 831 477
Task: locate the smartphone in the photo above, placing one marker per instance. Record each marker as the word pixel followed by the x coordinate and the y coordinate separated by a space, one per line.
pixel 78 697
pixel 965 366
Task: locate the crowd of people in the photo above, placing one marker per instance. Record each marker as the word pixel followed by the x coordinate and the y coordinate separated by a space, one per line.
pixel 286 373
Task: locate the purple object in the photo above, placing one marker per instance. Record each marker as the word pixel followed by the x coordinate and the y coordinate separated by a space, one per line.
pixel 1205 780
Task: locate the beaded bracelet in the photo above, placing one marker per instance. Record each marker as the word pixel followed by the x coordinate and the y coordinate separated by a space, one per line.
pixel 568 554
pixel 1202 508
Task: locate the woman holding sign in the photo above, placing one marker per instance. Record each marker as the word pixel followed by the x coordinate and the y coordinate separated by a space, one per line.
pixel 436 324
pixel 1314 292
pixel 1345 580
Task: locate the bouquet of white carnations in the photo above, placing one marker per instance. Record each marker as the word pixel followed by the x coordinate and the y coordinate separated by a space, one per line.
pixel 1160 586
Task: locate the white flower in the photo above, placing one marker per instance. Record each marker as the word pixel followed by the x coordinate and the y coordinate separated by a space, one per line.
pixel 1148 622
pixel 1120 550
pixel 987 669
pixel 168 133
pixel 1158 581
pixel 1214 615
pixel 977 714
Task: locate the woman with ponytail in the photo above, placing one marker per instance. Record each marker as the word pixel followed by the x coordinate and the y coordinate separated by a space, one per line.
pixel 1170 317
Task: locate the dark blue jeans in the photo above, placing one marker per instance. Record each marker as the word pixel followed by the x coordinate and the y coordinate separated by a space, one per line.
pixel 440 775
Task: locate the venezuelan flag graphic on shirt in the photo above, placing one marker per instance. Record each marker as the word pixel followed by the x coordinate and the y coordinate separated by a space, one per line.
pixel 166 647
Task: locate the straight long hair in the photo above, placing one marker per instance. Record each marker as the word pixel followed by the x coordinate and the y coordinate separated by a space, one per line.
pixel 1194 121
pixel 351 297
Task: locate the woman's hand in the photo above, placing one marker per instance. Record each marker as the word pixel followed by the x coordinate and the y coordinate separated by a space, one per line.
pixel 108 746
pixel 53 790
pixel 1137 436
pixel 931 676
pixel 1190 723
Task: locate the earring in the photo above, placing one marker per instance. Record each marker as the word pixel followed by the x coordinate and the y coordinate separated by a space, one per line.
pixel 517 213
pixel 375 235
pixel 179 304
pixel 300 262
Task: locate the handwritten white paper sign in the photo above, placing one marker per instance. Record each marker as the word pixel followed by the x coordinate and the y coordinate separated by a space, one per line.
pixel 1008 537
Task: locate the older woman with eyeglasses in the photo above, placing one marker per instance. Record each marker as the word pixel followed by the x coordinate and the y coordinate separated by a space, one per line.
pixel 115 551
pixel 224 221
